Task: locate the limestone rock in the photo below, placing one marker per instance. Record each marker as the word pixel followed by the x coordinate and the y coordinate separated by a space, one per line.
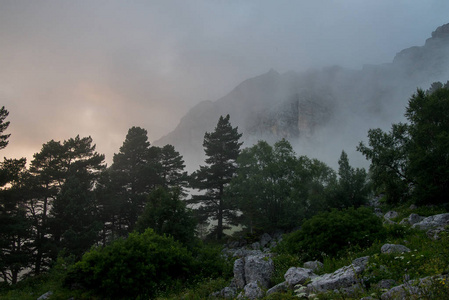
pixel 251 291
pixel 390 215
pixel 265 239
pixel 412 219
pixel 259 268
pixel 313 265
pixel 433 222
pixel 278 288
pixel 295 276
pixel 239 272
pixel 45 296
pixel 342 278
pixel 392 248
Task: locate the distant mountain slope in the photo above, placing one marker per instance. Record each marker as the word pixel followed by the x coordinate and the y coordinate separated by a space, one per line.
pixel 320 111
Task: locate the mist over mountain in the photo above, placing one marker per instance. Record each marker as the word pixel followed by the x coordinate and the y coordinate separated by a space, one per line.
pixel 321 112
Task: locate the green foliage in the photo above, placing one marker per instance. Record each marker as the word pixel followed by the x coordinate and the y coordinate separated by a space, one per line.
pixel 167 214
pixel 414 154
pixel 140 265
pixel 283 262
pixel 330 233
pixel 275 189
pixel 352 189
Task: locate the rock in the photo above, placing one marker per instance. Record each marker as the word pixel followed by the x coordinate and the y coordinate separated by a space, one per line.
pixel 313 265
pixel 342 278
pixel 295 276
pixel 434 233
pixel 227 293
pixel 244 252
pixel 433 222
pixel 255 246
pixel 392 248
pixel 386 284
pixel 259 268
pixel 412 289
pixel 239 273
pixel 265 239
pixel 45 296
pixel 412 219
pixel 251 291
pixel 413 207
pixel 390 215
pixel 278 288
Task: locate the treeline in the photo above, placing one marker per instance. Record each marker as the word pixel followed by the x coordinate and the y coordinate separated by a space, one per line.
pixel 67 200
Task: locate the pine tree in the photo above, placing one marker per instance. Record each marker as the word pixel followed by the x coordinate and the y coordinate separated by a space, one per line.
pixel 222 147
pixel 133 176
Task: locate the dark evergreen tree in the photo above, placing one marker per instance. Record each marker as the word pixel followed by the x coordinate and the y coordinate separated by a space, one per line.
pixel 172 168
pixel 352 189
pixel 3 126
pixel 15 225
pixel 222 148
pixel 74 220
pixel 167 214
pixel 134 176
pixel 428 114
pixel 56 171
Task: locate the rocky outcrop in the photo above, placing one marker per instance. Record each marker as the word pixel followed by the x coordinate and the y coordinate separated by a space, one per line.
pixel 411 220
pixel 251 291
pixel 412 289
pixel 433 222
pixel 392 248
pixel 342 278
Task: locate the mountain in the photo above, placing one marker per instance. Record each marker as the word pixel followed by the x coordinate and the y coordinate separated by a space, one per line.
pixel 321 111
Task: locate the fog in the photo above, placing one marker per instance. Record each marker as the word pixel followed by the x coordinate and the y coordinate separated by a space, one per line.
pixel 99 67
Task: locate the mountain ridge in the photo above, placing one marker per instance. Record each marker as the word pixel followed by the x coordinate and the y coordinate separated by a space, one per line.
pixel 321 112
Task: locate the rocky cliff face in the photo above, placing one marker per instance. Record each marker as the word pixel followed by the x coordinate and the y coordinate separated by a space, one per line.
pixel 320 111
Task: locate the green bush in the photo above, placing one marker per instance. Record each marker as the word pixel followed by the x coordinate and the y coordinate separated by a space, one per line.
pixel 330 233
pixel 141 265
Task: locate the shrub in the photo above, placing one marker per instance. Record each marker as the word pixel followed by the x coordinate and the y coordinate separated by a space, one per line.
pixel 140 265
pixel 330 233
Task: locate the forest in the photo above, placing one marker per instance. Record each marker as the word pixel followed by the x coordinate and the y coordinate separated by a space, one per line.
pixel 145 228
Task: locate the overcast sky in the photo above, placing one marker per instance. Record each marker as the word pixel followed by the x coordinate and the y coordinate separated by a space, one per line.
pixel 99 67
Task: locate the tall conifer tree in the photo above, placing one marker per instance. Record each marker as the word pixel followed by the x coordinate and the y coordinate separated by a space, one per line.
pixel 222 147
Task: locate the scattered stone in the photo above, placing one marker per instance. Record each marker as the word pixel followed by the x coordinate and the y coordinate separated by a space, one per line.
pixel 45 296
pixel 295 276
pixel 313 265
pixel 392 248
pixel 391 215
pixel 228 293
pixel 278 288
pixel 255 246
pixel 265 239
pixel 435 233
pixel 251 291
pixel 433 222
pixel 412 219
